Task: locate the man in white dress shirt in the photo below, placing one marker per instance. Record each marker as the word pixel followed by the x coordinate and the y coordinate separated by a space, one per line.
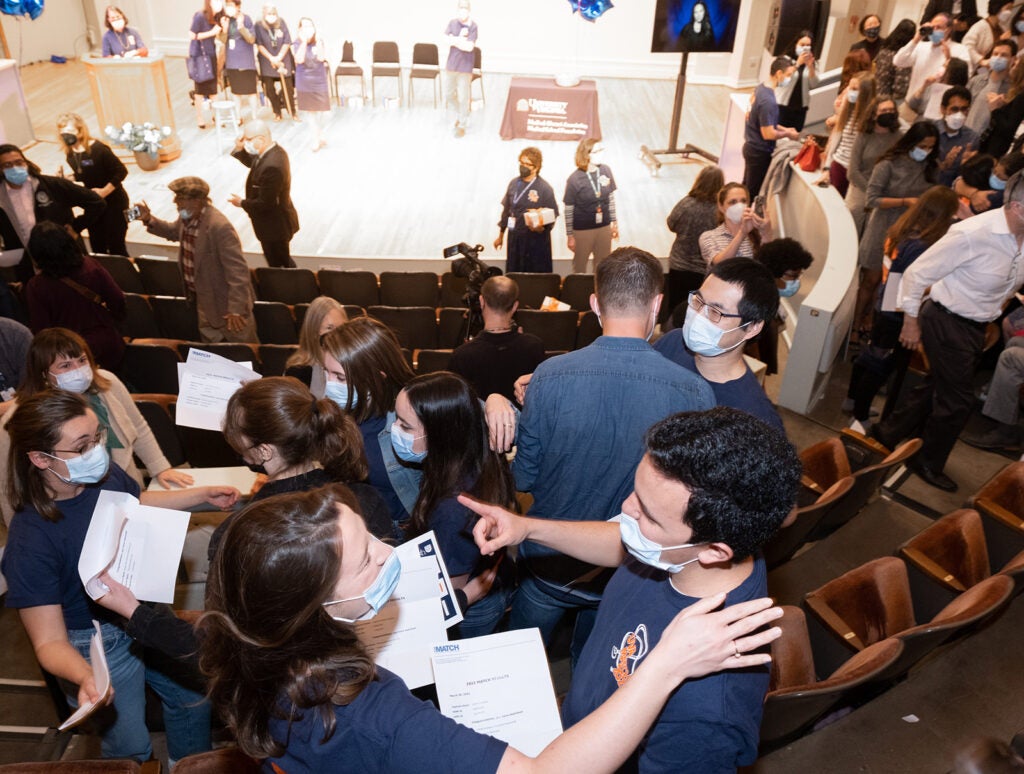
pixel 972 272
pixel 928 56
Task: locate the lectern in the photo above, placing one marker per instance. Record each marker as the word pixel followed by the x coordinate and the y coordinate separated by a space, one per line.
pixel 133 90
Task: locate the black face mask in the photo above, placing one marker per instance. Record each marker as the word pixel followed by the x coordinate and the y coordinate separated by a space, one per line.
pixel 68 138
pixel 256 468
pixel 524 171
pixel 872 33
pixel 888 121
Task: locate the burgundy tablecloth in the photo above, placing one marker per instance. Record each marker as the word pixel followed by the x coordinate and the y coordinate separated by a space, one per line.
pixel 539 109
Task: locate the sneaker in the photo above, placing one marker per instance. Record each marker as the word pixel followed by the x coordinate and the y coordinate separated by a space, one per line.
pixel 861 427
pixel 1002 437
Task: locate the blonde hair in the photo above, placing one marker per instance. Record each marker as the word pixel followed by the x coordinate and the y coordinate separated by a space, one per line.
pixel 583 152
pixel 80 126
pixel 308 352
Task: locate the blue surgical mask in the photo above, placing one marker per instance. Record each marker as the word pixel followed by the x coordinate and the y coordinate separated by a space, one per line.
pixel 88 468
pixel 938 36
pixel 803 50
pixel 402 443
pixel 338 392
pixel 996 183
pixel 16 175
pixel 380 590
pixel 785 81
pixel 851 96
pixel 646 550
pixel 78 380
pixel 919 154
pixel 1020 26
pixel 184 214
pixel 998 63
pixel 792 286
pixel 702 336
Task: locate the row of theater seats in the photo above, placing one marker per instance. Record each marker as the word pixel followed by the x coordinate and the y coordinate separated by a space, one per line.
pixel 417 327
pixel 840 476
pixel 868 627
pixel 156 276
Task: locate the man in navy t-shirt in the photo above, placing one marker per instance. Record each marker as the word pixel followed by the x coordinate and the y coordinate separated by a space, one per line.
pixel 762 126
pixel 711 488
pixel 738 298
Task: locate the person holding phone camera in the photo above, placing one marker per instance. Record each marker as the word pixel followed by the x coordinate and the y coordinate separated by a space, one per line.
pixel 929 51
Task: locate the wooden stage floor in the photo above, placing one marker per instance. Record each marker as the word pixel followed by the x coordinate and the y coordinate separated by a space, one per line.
pixel 395 184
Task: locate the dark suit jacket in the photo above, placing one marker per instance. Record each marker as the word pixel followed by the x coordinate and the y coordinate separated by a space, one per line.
pixel 268 195
pixel 54 197
pixel 968 7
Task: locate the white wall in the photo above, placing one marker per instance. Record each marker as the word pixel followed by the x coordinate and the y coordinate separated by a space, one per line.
pixel 59 30
pixel 525 36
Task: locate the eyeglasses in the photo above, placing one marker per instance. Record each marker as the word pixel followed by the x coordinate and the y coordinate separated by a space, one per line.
pixel 700 306
pixel 100 439
pixel 12 164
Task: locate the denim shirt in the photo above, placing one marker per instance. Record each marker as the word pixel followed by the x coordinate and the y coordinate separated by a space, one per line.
pixel 582 429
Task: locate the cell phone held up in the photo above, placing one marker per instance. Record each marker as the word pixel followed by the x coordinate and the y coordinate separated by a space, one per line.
pixel 132 213
pixel 926 30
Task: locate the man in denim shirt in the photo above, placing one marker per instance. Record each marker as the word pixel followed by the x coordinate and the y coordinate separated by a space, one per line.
pixel 581 435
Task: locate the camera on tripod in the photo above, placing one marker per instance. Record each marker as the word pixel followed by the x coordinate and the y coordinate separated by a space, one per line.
pixel 475 272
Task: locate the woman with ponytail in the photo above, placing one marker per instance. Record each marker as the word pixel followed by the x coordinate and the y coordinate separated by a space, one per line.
pixel 300 443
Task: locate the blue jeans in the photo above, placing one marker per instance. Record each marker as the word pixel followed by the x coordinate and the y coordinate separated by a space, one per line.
pixel 483 616
pixel 539 604
pixel 123 725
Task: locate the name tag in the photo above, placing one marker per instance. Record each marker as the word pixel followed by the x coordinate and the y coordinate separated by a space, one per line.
pixel 598 217
pixel 87 162
pixel 131 40
pixel 231 44
pixel 511 223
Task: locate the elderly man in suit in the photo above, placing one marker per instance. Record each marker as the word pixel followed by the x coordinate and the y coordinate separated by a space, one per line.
pixel 212 266
pixel 267 192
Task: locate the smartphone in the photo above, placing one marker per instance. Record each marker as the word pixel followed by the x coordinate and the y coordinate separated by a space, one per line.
pixel 926 30
pixel 132 213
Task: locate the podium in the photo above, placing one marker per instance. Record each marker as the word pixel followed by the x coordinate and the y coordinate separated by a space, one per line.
pixel 133 90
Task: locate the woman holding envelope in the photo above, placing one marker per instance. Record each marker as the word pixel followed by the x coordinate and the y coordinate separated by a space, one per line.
pixel 440 423
pixel 57 467
pixel 61 359
pixel 292 575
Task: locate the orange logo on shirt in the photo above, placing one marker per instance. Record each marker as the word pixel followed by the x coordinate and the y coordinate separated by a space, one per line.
pixel 628 654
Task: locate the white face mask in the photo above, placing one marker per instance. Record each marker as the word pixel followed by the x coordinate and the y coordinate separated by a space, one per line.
pixel 955 121
pixel 78 380
pixel 702 336
pixel 646 550
pixel 734 212
pixel 249 146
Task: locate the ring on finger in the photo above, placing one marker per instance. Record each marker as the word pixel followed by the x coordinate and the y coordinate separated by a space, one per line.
pixel 736 650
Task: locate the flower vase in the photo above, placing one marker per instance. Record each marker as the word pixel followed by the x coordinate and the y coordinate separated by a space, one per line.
pixel 147 162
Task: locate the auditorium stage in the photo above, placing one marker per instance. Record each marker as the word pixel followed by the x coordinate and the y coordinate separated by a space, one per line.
pixel 394 186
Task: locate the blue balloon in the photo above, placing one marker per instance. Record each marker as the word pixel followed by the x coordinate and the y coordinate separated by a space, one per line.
pixel 590 9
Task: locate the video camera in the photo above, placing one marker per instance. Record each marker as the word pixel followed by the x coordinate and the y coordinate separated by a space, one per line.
pixel 475 272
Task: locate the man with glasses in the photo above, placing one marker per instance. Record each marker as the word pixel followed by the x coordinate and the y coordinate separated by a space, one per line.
pixel 213 269
pixel 972 272
pixel 738 298
pixel 581 435
pixel 268 201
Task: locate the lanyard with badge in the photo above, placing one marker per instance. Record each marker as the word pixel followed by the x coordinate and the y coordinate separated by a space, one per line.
pixel 515 201
pixel 595 186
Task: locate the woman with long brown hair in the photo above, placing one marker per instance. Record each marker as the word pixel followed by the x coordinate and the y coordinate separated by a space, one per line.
pixel 292 575
pixel 917 229
pixel 323 316
pixel 440 424
pixel 57 467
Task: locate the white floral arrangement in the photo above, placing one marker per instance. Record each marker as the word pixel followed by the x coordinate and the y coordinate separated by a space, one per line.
pixel 145 138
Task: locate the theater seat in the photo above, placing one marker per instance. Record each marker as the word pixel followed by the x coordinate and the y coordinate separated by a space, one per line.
pixel 1001 504
pixel 796 698
pixel 790 537
pixel 226 760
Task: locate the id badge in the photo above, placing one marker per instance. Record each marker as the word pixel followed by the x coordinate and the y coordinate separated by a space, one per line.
pixel 598 217
pixel 131 40
pixel 7 394
pixel 231 44
pixel 511 222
